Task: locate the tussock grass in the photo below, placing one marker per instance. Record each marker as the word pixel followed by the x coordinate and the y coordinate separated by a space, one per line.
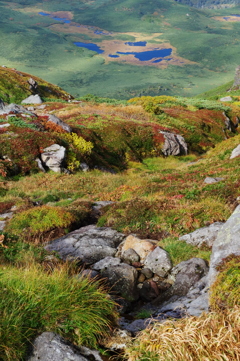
pixel 209 337
pixel 32 301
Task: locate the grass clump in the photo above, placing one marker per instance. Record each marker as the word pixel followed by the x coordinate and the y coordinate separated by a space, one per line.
pixel 33 301
pixel 225 290
pixel 39 223
pixel 213 336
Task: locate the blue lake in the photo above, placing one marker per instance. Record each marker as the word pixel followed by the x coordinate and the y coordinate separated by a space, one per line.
pixel 113 56
pixel 90 46
pixel 149 55
pixel 136 43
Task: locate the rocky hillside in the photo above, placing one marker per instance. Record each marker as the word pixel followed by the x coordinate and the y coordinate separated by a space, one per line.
pixel 111 215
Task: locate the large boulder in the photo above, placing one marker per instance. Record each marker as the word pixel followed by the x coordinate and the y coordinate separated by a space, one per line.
pixel 123 280
pixel 236 152
pixel 32 99
pixel 88 244
pixel 52 118
pixel 53 157
pixel 185 275
pixel 13 109
pixel 227 243
pixel 203 236
pixel 174 144
pixel 51 347
pixel 158 261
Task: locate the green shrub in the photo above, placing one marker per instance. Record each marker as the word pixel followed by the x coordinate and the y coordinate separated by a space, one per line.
pixel 32 301
pixel 36 224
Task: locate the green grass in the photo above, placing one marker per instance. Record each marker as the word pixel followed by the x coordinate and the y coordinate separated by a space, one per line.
pixel 33 301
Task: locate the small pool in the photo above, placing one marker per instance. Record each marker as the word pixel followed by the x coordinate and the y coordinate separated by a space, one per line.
pixel 65 20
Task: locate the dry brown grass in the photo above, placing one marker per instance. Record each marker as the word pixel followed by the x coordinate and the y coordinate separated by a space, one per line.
pixel 210 337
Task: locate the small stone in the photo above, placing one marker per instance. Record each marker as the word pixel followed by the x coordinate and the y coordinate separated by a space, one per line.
pixel 147 272
pixel 141 278
pixel 130 256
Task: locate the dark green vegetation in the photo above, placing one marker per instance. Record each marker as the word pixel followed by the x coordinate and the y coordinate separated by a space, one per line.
pixel 40 45
pixel 33 301
pixel 154 197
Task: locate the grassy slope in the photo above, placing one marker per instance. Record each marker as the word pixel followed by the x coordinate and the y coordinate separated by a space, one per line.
pixel 82 72
pixel 159 198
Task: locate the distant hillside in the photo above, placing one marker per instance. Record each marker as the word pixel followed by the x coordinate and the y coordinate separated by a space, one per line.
pixel 209 3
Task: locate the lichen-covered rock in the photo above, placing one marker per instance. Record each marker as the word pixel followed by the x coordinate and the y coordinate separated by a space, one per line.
pixel 89 244
pixel 158 261
pixel 130 256
pixel 203 236
pixel 53 157
pixel 51 347
pixel 174 144
pixel 52 118
pixel 227 243
pixel 123 280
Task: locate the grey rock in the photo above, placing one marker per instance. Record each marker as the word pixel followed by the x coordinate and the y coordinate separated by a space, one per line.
pixel 53 157
pixel 84 167
pixel 158 261
pixel 89 244
pixel 174 144
pixel 13 108
pixel 52 118
pixel 123 280
pixel 32 99
pixel 226 99
pixel 129 256
pixel 33 85
pixel 7 215
pixel 211 180
pixel 105 263
pixel 186 274
pixel 236 152
pixel 2 225
pixel 226 244
pixel 51 347
pixel 5 125
pixel 203 236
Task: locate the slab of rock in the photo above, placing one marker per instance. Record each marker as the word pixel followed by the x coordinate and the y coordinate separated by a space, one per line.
pixel 32 99
pixel 174 144
pixel 52 118
pixel 123 280
pixel 89 244
pixel 5 125
pixel 141 246
pixel 53 157
pixel 236 152
pixel 13 108
pixel 51 347
pixel 203 236
pixel 158 261
pixel 130 256
pixel 211 180
pixel 226 244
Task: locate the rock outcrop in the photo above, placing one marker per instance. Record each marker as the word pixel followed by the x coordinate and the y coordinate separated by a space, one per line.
pixel 52 118
pixel 174 144
pixel 236 152
pixel 32 99
pixel 53 157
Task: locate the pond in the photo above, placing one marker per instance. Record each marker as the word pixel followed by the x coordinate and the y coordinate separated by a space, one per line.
pixel 66 21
